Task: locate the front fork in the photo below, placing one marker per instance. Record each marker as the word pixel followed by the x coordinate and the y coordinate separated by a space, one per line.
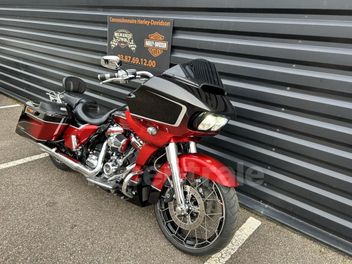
pixel 177 182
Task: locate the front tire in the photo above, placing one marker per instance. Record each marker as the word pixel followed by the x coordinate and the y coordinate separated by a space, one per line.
pixel 215 200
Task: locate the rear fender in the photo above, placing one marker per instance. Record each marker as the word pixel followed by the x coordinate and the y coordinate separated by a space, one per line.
pixel 201 165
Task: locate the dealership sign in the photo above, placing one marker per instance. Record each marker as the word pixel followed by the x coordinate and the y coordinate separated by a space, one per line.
pixel 144 43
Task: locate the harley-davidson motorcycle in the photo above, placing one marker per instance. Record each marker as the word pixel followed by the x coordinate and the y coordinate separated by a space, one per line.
pixel 147 150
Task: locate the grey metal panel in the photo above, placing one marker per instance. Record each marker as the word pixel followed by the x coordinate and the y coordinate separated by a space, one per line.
pixel 263 4
pixel 285 64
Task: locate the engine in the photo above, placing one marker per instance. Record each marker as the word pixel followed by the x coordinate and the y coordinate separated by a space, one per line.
pixel 120 154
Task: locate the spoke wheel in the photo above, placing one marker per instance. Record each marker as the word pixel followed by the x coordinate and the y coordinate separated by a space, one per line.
pixel 209 223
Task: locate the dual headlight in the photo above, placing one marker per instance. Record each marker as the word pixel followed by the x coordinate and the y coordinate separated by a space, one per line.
pixel 209 122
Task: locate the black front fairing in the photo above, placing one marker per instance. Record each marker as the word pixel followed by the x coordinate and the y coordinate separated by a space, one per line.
pixel 201 79
pixel 184 90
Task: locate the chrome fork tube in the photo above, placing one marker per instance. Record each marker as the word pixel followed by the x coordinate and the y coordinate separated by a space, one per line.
pixel 171 154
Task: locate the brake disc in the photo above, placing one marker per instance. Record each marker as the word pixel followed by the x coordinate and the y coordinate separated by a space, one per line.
pixel 196 210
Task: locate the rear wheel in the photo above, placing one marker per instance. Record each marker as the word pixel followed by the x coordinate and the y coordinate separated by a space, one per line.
pixel 58 164
pixel 210 222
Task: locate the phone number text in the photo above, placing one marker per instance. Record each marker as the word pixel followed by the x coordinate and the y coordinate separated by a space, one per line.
pixel 137 61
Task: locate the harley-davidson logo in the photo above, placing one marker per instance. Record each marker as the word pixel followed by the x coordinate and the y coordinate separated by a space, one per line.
pixel 123 38
pixel 156 44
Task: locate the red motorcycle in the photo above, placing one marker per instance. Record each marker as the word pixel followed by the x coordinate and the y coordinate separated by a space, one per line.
pixel 147 150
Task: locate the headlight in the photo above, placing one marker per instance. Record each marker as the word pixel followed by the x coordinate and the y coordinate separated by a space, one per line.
pixel 209 121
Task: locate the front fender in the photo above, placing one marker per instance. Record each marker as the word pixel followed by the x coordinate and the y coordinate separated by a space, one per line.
pixel 200 165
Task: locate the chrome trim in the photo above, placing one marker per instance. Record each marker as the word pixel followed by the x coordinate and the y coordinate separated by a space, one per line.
pixel 135 143
pixel 155 188
pixel 74 142
pixel 172 158
pixel 192 147
pixel 152 131
pixel 58 128
pixel 126 182
pixel 101 184
pixel 109 168
pixel 134 182
pixel 78 127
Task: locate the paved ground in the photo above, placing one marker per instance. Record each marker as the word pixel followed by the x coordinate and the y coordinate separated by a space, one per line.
pixel 50 216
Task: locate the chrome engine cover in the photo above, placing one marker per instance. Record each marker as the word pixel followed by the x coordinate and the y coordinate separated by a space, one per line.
pixel 118 142
pixel 92 160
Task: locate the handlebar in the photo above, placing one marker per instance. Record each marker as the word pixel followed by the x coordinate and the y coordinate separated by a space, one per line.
pixel 123 76
pixel 144 73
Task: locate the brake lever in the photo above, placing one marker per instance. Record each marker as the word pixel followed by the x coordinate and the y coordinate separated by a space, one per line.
pixel 110 80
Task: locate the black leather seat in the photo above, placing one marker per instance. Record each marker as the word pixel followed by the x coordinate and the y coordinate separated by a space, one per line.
pixel 74 84
pixel 72 99
pixel 84 109
pixel 91 113
pixel 74 90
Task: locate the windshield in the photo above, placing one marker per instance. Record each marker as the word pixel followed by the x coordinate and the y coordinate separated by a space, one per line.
pixel 199 72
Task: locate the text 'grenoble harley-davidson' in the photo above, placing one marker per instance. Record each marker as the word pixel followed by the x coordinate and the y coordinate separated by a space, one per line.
pixel 147 150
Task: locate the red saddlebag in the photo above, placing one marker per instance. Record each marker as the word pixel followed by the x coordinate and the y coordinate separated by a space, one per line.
pixel 43 122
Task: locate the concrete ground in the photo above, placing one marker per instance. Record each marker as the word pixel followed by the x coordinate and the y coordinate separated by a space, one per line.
pixel 51 216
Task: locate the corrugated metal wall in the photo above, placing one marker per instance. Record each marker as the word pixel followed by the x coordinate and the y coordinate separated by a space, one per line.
pixel 287 67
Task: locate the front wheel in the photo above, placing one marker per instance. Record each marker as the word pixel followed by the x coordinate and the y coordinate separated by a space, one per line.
pixel 211 218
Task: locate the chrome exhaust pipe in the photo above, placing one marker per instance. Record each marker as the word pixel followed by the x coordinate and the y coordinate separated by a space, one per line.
pixel 75 165
pixel 101 184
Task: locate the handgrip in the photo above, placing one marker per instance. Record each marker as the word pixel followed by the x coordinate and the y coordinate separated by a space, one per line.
pixel 106 76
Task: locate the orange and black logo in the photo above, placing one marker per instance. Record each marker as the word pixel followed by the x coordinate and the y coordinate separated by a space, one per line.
pixel 156 44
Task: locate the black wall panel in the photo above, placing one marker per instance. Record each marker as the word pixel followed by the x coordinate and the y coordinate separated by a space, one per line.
pixel 286 65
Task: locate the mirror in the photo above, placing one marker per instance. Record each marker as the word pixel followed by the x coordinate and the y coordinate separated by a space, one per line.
pixel 111 62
